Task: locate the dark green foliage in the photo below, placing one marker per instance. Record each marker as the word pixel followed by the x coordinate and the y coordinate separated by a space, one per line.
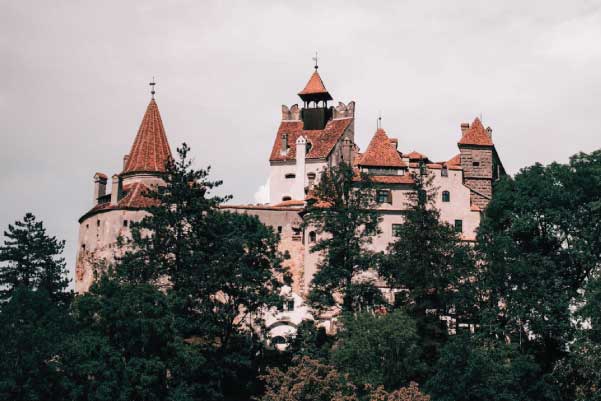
pixel 312 341
pixel 379 350
pixel 31 259
pixel 472 371
pixel 539 241
pixel 342 213
pixel 31 328
pixel 427 261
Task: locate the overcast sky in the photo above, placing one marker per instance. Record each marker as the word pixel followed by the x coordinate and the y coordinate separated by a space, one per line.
pixel 74 84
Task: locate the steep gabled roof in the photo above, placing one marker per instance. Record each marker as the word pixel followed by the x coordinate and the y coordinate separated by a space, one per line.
pixel 381 152
pixel 476 134
pixel 322 141
pixel 150 150
pixel 415 156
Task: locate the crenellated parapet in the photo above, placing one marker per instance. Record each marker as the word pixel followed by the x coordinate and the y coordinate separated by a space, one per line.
pixel 291 113
pixel 344 110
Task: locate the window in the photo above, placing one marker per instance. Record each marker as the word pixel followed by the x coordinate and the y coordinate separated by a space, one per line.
pixel 396 230
pixel 458 226
pixel 476 163
pixel 279 229
pixel 290 304
pixel 309 146
pixel 312 236
pixel 286 198
pixel 446 196
pixel 97 223
pixel 83 247
pixel 125 222
pixel 383 196
pixel 87 226
pixel 311 179
pixel 444 172
pixel 278 340
pixel 422 168
pixel 290 175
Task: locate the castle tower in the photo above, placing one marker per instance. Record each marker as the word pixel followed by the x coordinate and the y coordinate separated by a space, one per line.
pixel 480 162
pixel 111 214
pixel 309 139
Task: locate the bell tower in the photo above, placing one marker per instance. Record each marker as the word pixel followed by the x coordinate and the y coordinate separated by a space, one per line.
pixel 315 112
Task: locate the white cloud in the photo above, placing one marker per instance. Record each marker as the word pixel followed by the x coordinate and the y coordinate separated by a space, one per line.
pixel 262 194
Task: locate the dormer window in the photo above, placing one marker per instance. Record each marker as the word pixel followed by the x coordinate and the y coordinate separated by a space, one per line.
pixel 309 146
pixel 290 176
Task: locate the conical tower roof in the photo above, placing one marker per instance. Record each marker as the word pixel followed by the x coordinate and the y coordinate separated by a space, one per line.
pixel 380 152
pixel 150 150
pixel 315 89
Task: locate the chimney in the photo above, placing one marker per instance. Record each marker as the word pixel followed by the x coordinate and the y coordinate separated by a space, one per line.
pixel 116 190
pixel 298 188
pixel 489 131
pixel 394 142
pixel 99 186
pixel 347 151
pixel 464 127
pixel 284 147
pixel 125 159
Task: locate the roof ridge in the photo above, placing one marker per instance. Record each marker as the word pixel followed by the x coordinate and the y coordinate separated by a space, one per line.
pixel 380 152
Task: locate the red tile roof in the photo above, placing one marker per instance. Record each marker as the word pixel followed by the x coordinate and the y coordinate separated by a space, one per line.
pixel 290 203
pixel 476 135
pixel 381 152
pixel 392 179
pixel 314 86
pixel 322 141
pixel 455 160
pixel 415 156
pixel 150 150
pixel 134 199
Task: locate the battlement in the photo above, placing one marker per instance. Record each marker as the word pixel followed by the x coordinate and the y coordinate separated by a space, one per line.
pixel 293 113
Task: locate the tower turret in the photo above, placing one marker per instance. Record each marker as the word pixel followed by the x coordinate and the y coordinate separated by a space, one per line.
pixel 315 113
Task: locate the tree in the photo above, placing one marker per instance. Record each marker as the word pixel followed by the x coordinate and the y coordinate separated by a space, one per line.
pixel 31 259
pixel 539 242
pixel 221 272
pixel 308 380
pixel 379 349
pixel 411 393
pixel 472 371
pixel 427 262
pixel 342 213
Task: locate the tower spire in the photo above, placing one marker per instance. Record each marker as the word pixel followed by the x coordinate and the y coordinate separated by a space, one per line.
pixel 152 84
pixel 315 59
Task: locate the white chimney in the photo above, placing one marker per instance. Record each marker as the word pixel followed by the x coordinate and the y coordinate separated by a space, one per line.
pixel 298 190
pixel 116 190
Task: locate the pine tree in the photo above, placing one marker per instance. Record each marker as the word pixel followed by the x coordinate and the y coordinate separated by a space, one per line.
pixel 426 261
pixel 342 213
pixel 31 259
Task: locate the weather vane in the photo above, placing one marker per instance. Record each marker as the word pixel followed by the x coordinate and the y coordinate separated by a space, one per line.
pixel 315 59
pixel 152 84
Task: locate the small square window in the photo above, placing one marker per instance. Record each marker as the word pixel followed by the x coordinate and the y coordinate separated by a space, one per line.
pixel 444 172
pixel 396 230
pixel 476 164
pixel 125 223
pixel 279 229
pixel 458 226
pixel 383 196
pixel 97 223
pixel 446 196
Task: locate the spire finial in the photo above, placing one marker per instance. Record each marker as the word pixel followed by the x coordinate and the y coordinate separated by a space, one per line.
pixel 152 84
pixel 379 122
pixel 315 59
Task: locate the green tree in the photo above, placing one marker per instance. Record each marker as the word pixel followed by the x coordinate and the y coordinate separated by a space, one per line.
pixel 31 259
pixel 539 242
pixel 221 271
pixel 472 371
pixel 379 349
pixel 427 261
pixel 342 213
pixel 33 315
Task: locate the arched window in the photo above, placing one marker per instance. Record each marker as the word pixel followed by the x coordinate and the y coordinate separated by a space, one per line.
pixel 312 236
pixel 290 175
pixel 286 198
pixel 446 196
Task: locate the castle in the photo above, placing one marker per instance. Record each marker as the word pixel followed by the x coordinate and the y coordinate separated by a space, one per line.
pixel 309 139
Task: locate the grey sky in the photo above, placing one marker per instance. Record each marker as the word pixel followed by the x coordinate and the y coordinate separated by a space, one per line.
pixel 74 84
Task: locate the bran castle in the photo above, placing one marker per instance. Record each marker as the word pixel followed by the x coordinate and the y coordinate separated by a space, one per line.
pixel 309 139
